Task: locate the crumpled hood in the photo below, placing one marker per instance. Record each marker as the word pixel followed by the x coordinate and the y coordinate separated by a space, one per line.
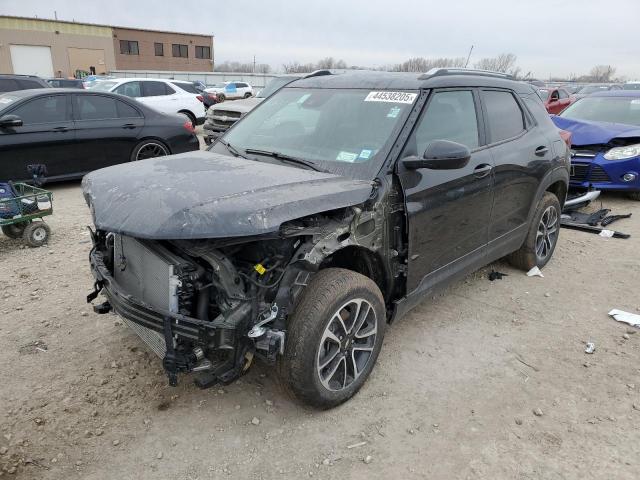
pixel 207 195
pixel 595 133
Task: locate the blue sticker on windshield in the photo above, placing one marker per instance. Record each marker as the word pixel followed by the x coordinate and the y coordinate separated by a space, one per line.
pixel 366 154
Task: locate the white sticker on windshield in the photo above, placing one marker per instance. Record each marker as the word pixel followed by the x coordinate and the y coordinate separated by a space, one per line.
pixel 346 156
pixel 635 101
pixel 366 154
pixel 393 97
pixel 393 112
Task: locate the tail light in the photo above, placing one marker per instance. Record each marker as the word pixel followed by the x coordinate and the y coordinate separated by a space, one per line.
pixel 188 126
pixel 566 136
pixel 199 97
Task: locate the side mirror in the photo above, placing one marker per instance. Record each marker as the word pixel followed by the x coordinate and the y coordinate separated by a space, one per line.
pixel 10 121
pixel 440 155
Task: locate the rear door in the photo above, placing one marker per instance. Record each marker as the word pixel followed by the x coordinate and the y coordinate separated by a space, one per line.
pixel 522 156
pixel 160 96
pixel 107 130
pixel 47 136
pixel 448 210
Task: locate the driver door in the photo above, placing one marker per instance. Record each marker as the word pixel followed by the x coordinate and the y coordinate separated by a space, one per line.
pixel 448 211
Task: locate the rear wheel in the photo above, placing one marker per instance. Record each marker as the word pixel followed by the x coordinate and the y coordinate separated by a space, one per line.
pixel 542 237
pixel 149 149
pixel 36 234
pixel 221 97
pixel 247 95
pixel 14 230
pixel 334 338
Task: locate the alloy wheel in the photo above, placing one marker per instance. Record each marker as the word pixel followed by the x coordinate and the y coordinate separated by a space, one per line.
pixel 151 150
pixel 547 233
pixel 347 344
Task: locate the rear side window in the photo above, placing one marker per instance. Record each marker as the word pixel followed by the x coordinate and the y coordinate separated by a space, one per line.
pixel 504 116
pixel 563 94
pixel 448 116
pixel 187 87
pixel 156 89
pixel 96 107
pixel 43 110
pixel 29 84
pixel 8 85
pixel 126 111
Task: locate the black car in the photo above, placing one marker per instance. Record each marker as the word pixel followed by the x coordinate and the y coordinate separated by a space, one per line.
pixel 330 210
pixel 65 83
pixel 73 132
pixel 11 83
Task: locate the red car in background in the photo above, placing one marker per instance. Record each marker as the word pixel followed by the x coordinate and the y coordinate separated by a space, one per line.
pixel 555 99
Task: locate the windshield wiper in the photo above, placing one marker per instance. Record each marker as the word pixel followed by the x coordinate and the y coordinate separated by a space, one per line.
pixel 286 158
pixel 233 150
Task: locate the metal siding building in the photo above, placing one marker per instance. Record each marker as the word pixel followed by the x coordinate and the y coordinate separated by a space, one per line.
pixel 49 48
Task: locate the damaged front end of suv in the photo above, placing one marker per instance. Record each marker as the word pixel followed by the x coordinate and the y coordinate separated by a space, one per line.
pixel 207 272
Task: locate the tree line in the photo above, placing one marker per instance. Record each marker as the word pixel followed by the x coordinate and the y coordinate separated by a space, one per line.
pixel 504 62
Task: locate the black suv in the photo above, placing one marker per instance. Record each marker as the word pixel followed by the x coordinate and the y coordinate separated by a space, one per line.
pixel 330 210
pixel 11 83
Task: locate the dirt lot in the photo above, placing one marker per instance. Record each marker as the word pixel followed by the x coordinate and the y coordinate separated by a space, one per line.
pixel 488 380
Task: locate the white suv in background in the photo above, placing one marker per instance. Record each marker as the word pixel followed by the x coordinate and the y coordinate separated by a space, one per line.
pixel 167 96
pixel 231 90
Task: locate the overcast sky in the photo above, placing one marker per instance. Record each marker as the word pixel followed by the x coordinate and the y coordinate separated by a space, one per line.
pixel 549 37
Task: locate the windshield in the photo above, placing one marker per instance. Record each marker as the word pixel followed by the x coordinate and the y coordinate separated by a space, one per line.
pixel 605 109
pixel 102 86
pixel 344 131
pixel 544 94
pixel 273 86
pixel 631 86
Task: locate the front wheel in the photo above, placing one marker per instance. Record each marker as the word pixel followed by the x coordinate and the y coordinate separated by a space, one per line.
pixel 634 195
pixel 36 234
pixel 221 97
pixel 334 338
pixel 247 95
pixel 542 236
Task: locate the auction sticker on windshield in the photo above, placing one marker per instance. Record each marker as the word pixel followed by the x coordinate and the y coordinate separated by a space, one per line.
pixel 393 97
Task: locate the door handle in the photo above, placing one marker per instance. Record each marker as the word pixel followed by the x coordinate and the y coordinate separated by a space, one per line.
pixel 60 129
pixel 129 126
pixel 482 170
pixel 542 151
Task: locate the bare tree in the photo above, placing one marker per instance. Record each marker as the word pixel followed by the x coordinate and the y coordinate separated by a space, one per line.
pixel 421 64
pixel 238 67
pixel 602 73
pixel 505 62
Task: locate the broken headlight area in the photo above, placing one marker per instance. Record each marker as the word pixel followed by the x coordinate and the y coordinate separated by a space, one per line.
pixel 206 306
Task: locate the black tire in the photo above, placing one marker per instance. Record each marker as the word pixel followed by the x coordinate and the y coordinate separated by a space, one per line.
pixel 634 195
pixel 155 148
pixel 221 97
pixel 247 95
pixel 36 234
pixel 528 255
pixel 14 230
pixel 331 292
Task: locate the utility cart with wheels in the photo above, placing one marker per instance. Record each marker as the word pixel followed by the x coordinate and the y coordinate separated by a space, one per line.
pixel 22 207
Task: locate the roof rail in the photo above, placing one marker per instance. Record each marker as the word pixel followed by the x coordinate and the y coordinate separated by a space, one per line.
pixel 439 72
pixel 318 73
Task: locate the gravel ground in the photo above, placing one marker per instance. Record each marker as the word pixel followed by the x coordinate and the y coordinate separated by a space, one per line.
pixel 487 380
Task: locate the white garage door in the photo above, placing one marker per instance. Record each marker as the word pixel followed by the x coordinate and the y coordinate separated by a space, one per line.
pixel 31 60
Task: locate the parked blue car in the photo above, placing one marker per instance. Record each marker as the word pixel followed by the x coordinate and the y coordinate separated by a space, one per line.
pixel 605 151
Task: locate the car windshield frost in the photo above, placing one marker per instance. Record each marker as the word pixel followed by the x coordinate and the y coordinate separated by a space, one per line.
pixel 344 131
pixel 605 109
pixel 103 86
